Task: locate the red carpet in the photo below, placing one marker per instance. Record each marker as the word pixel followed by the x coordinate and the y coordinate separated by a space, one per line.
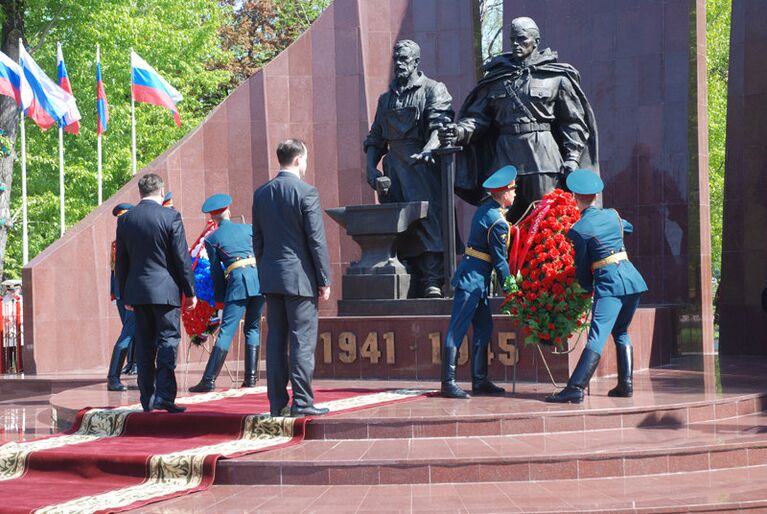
pixel 118 459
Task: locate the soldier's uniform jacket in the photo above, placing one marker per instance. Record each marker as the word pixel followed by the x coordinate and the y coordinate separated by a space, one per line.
pixel 489 235
pixel 228 243
pixel 597 235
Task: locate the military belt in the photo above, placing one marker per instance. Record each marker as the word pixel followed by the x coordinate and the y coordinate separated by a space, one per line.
pixel 513 129
pixel 610 259
pixel 471 252
pixel 249 261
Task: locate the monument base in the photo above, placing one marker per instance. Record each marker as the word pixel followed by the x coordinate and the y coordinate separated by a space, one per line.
pixel 406 346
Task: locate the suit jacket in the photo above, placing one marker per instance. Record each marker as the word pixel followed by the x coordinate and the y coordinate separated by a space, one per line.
pixel 598 234
pixel 152 257
pixel 229 243
pixel 289 237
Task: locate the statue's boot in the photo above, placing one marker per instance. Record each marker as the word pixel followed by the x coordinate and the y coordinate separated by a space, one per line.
pixel 251 366
pixel 480 385
pixel 212 369
pixel 625 387
pixel 585 368
pixel 113 375
pixel 449 367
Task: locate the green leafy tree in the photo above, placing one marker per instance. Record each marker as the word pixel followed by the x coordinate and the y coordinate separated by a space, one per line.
pixel 718 15
pixel 178 37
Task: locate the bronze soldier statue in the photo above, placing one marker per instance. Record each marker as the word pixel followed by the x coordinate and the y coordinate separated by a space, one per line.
pixel 528 110
pixel 404 132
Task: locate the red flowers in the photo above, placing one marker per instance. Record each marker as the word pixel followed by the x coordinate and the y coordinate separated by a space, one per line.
pixel 548 303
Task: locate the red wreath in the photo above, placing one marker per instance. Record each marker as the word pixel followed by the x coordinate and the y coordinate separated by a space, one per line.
pixel 545 298
pixel 202 321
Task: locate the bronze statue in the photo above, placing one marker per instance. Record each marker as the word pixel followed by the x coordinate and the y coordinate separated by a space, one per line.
pixel 404 132
pixel 528 110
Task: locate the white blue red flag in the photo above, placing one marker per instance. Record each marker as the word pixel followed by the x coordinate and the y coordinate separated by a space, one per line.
pixel 102 107
pixel 71 121
pixel 50 104
pixel 12 82
pixel 149 87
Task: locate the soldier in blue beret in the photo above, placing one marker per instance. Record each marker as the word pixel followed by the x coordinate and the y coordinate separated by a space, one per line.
pixel 167 200
pixel 235 284
pixel 487 249
pixel 602 267
pixel 124 343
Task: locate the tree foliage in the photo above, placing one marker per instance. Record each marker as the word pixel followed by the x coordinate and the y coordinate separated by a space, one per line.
pixel 205 48
pixel 718 14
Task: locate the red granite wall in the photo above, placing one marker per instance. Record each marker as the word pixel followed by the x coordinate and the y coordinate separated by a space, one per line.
pixel 323 88
pixel 744 255
pixel 642 67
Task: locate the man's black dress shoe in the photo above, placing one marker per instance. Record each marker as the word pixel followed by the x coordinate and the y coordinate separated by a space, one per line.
pixel 168 406
pixel 309 410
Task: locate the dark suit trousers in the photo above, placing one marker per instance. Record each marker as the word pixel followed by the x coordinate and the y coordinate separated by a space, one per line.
pixel 157 337
pixel 292 328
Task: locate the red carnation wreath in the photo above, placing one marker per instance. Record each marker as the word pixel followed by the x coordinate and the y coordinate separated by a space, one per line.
pixel 545 298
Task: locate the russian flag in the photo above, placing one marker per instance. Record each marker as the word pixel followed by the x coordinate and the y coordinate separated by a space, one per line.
pixel 71 121
pixel 149 87
pixel 49 102
pixel 102 107
pixel 12 82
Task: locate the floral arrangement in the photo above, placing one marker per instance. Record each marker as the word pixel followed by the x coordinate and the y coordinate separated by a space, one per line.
pixel 201 322
pixel 544 296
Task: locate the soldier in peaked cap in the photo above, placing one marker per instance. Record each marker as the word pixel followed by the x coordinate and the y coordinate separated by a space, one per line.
pixel 235 284
pixel 167 200
pixel 487 249
pixel 604 269
pixel 125 339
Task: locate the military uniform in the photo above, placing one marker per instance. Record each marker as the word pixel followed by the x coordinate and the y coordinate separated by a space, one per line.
pixel 487 250
pixel 124 343
pixel 603 268
pixel 235 284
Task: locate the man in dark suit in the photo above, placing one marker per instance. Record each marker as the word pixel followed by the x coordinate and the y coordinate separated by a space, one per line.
pixel 153 269
pixel 294 270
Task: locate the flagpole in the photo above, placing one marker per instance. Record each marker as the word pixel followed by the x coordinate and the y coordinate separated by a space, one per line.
pixel 61 179
pixel 132 120
pixel 24 221
pixel 98 135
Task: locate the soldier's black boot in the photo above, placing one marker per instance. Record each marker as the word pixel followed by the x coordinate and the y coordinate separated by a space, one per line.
pixel 480 385
pixel 113 376
pixel 625 387
pixel 449 367
pixel 212 369
pixel 573 393
pixel 130 366
pixel 251 366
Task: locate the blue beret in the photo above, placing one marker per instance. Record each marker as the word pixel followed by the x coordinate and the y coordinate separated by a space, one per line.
pixel 121 208
pixel 501 179
pixel 584 182
pixel 216 203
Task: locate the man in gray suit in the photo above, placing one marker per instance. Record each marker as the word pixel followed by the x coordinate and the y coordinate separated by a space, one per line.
pixel 294 270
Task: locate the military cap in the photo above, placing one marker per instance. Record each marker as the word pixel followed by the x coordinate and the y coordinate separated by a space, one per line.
pixel 121 208
pixel 216 204
pixel 167 201
pixel 584 182
pixel 501 180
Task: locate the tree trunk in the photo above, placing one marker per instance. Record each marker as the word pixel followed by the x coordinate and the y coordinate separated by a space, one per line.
pixel 12 30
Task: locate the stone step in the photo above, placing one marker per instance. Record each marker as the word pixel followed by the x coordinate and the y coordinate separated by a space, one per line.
pixel 725 490
pixel 726 443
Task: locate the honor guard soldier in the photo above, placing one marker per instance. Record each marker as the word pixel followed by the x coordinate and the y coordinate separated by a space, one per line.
pixel 167 200
pixel 125 339
pixel 604 269
pixel 487 249
pixel 235 284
